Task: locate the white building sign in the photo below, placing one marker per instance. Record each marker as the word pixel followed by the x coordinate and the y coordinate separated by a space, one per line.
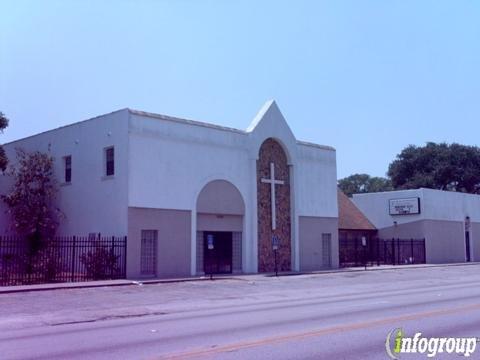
pixel 406 206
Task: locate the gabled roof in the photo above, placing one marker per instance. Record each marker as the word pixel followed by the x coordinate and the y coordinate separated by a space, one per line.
pixel 349 216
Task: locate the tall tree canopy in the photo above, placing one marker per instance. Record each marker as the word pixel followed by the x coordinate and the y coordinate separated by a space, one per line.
pixel 441 166
pixel 363 183
pixel 3 156
pixel 31 200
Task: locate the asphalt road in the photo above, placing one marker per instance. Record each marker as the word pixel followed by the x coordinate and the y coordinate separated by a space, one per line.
pixel 328 316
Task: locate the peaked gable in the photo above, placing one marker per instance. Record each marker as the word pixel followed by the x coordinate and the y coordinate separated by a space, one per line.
pixel 270 123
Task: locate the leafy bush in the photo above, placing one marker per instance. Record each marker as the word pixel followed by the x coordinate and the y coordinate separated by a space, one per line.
pixel 100 264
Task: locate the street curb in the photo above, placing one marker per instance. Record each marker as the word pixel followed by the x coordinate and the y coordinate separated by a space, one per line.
pixel 395 267
pixel 32 288
pixel 369 268
pixel 79 285
pixel 118 283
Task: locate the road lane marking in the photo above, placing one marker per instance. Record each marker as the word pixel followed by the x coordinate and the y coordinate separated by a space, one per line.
pixel 315 333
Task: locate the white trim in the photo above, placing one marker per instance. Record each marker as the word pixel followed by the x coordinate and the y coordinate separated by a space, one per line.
pixel 253 266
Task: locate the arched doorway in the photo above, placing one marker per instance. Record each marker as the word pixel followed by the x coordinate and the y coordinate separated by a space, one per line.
pixel 220 215
pixel 273 202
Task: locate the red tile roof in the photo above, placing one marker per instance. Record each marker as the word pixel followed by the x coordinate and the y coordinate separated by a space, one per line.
pixel 349 216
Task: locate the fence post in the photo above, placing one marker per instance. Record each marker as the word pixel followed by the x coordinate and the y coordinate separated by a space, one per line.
pixel 411 248
pixel 124 273
pixel 364 255
pixel 378 252
pixel 393 251
pixel 112 256
pixel 424 251
pixel 356 252
pixel 398 252
pixel 73 259
pixel 384 252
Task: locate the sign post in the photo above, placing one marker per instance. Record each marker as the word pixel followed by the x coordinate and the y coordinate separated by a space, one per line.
pixel 275 242
pixel 210 249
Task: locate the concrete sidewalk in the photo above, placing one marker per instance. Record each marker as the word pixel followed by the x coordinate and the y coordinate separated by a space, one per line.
pixel 241 277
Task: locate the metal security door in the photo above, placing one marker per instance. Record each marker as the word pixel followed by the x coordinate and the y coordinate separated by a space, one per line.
pixel 327 250
pixel 148 260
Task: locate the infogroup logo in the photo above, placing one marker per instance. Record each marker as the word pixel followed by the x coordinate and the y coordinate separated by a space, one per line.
pixel 397 343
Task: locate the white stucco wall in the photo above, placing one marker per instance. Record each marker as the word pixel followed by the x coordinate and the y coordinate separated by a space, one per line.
pixel 184 156
pixel 451 206
pixel 316 180
pixel 170 162
pixel 90 203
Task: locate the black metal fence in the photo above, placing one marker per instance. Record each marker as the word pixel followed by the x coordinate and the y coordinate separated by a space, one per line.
pixel 352 252
pixel 62 259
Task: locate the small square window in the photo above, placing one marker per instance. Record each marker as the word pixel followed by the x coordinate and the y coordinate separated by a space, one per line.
pixel 67 164
pixel 109 161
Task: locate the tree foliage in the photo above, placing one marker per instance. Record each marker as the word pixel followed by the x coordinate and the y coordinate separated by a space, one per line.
pixel 31 200
pixel 363 183
pixel 3 156
pixel 452 167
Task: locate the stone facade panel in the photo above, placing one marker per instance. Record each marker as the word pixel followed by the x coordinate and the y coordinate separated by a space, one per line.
pixel 272 152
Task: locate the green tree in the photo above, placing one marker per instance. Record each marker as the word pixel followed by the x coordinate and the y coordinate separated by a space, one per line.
pixel 364 183
pixel 31 200
pixel 3 156
pixel 442 166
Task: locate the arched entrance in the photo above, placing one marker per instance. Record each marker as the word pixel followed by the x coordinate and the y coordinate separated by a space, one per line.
pixel 220 215
pixel 273 202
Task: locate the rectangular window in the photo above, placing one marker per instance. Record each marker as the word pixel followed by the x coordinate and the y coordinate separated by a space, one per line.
pixel 148 252
pixel 109 161
pixel 327 250
pixel 68 168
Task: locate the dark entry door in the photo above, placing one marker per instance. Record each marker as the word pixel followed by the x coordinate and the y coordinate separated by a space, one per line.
pixel 219 259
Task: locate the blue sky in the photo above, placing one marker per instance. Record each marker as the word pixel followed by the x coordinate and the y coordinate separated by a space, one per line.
pixel 367 77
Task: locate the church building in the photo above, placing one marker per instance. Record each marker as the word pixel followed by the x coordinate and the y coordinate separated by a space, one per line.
pixel 193 197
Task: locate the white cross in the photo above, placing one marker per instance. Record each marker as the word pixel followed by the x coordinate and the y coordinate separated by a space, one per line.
pixel 272 183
